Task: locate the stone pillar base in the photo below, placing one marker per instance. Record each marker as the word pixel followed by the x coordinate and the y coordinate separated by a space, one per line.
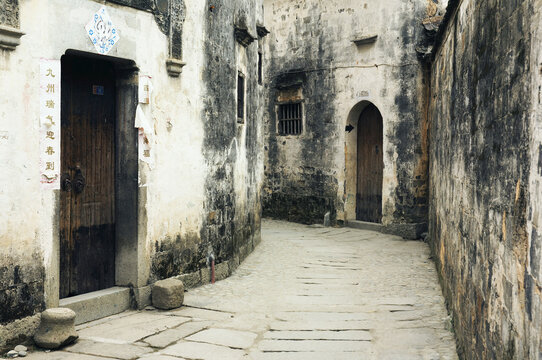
pixel 57 328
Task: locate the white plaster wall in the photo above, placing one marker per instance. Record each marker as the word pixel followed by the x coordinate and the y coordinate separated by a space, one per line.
pixel 174 185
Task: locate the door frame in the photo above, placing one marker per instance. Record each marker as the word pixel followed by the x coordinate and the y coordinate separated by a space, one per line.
pixel 351 156
pixel 130 232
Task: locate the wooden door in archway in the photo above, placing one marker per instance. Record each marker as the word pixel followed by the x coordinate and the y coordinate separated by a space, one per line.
pixel 370 166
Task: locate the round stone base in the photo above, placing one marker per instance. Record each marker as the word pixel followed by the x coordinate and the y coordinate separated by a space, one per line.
pixel 56 328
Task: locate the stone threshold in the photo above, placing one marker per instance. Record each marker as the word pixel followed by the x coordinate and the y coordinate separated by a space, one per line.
pixel 411 231
pixel 98 304
pixel 363 225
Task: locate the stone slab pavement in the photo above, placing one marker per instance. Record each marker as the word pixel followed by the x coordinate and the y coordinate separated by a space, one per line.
pixel 306 292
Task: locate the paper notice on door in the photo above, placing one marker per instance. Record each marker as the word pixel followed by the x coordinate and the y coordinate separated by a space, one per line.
pixel 145 137
pixel 145 89
pixel 145 153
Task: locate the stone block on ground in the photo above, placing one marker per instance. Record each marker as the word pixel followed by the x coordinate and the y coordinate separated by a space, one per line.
pixel 133 328
pixel 205 314
pixel 56 328
pixel 168 337
pixel 60 355
pixel 222 271
pixel 159 357
pixel 190 280
pixel 168 294
pixel 205 274
pixel 105 350
pixel 194 350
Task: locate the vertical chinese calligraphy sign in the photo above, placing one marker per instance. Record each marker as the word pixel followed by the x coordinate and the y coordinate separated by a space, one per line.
pixel 103 34
pixel 50 124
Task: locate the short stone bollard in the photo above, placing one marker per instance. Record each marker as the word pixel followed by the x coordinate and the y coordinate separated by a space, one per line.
pixel 327 219
pixel 56 328
pixel 168 294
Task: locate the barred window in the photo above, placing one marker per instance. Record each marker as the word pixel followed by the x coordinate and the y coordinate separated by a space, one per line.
pixel 240 98
pixel 290 119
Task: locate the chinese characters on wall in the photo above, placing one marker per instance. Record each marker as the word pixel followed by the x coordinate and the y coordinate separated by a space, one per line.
pixel 50 123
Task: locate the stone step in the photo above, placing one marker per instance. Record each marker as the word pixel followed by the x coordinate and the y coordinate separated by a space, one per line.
pixel 98 304
pixel 363 225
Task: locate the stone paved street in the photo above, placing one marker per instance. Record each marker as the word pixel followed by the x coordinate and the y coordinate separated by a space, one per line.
pixel 305 293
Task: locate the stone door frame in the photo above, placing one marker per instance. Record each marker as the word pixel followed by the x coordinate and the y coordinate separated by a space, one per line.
pixel 130 239
pixel 350 167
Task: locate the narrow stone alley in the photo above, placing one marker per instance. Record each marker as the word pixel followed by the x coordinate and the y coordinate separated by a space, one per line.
pixel 304 293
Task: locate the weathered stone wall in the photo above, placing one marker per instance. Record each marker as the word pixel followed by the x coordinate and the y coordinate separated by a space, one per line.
pixel 485 194
pixel 234 151
pixel 21 286
pixel 533 278
pixel 199 197
pixel 231 152
pixel 311 51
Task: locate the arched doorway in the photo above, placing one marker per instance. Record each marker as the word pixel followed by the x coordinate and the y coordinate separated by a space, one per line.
pixel 370 165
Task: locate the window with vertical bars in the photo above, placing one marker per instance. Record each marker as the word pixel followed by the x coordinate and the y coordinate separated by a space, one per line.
pixel 240 98
pixel 290 119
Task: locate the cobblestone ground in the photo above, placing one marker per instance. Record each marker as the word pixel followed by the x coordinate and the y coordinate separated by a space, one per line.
pixel 305 293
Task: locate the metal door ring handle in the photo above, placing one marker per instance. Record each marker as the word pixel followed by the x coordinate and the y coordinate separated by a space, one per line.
pixel 79 182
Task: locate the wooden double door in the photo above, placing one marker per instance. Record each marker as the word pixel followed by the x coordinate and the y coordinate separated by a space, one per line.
pixel 87 197
pixel 370 166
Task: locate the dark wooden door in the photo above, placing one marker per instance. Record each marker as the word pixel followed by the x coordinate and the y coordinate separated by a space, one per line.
pixel 87 200
pixel 370 166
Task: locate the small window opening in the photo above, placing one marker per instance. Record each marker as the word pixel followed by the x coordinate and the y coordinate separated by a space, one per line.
pixel 260 68
pixel 290 119
pixel 240 98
